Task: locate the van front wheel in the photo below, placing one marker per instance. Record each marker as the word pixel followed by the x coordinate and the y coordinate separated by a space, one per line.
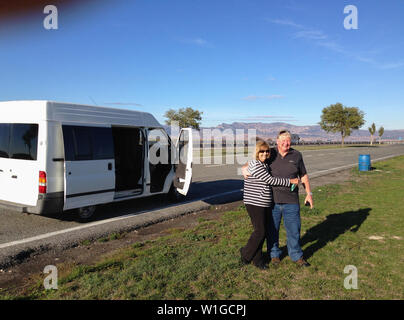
pixel 86 213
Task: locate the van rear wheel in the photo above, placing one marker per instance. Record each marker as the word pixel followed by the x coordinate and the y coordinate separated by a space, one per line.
pixel 86 213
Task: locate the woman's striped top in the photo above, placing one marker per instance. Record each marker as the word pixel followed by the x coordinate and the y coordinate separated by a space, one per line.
pixel 257 187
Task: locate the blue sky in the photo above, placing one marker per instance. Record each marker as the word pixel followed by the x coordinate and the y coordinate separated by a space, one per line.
pixel 240 60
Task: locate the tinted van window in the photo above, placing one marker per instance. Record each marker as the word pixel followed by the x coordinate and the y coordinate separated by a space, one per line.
pixel 87 143
pixel 4 139
pixel 103 144
pixel 23 141
pixel 82 139
pixel 68 141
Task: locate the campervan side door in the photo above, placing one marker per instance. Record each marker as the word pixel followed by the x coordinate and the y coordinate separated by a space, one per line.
pixel 183 173
pixel 89 166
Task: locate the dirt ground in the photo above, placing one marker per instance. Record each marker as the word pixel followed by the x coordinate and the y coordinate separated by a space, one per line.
pixel 15 279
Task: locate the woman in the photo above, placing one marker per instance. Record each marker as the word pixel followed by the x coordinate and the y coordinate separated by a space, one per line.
pixel 258 202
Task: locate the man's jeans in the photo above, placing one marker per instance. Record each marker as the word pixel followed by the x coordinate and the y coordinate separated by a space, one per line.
pixel 291 220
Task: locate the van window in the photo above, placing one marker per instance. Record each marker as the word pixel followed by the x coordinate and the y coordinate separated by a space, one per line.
pixel 24 141
pixel 4 139
pixel 18 141
pixel 103 144
pixel 83 147
pixel 87 143
pixel 68 141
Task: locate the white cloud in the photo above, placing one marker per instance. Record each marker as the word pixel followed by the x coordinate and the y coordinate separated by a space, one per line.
pixel 320 38
pixel 391 65
pixel 270 97
pixel 197 42
pixel 286 22
pixel 311 35
pixel 268 119
pixel 275 117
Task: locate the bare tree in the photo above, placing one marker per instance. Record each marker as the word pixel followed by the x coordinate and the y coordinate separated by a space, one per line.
pixel 381 132
pixel 372 130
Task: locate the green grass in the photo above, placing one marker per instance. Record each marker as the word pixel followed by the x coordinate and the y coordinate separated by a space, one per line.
pixel 203 262
pixel 113 236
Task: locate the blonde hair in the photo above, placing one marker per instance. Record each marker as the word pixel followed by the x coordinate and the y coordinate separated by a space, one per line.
pixel 284 134
pixel 258 145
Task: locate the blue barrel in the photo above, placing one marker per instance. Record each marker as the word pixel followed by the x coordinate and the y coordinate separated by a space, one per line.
pixel 364 162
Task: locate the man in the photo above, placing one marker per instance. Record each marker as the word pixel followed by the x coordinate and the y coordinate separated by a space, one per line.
pixel 286 162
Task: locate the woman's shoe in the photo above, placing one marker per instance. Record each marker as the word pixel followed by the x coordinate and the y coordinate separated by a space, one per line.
pixel 243 261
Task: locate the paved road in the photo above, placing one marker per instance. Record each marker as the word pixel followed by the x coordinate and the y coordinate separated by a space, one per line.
pixel 208 180
pixel 211 178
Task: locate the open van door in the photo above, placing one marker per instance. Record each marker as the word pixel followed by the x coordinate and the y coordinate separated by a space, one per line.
pixel 183 172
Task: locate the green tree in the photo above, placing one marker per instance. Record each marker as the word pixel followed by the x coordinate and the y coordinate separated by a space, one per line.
pixel 372 130
pixel 186 117
pixel 381 132
pixel 338 118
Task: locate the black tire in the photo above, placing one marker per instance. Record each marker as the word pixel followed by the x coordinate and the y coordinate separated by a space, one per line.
pixel 86 213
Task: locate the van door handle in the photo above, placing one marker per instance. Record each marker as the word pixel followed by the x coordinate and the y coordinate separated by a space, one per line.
pixel 110 166
pixel 14 177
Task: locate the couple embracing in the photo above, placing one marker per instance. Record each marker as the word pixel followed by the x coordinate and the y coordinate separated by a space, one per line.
pixel 270 192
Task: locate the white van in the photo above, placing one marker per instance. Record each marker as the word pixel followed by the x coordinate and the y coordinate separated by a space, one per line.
pixel 61 156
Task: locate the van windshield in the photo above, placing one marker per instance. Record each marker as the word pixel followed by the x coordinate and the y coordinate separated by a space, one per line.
pixel 18 141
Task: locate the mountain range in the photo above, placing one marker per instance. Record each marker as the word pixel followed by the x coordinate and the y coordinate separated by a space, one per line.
pixel 307 133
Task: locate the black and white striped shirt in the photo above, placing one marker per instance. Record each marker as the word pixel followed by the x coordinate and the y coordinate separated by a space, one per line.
pixel 257 187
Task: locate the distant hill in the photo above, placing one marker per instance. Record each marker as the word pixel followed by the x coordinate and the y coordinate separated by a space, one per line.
pixel 306 133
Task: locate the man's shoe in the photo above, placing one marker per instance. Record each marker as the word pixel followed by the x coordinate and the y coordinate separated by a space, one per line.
pixel 243 261
pixel 302 263
pixel 276 262
pixel 261 265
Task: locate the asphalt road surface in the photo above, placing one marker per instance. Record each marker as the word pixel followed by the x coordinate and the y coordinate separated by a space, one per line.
pixel 208 180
